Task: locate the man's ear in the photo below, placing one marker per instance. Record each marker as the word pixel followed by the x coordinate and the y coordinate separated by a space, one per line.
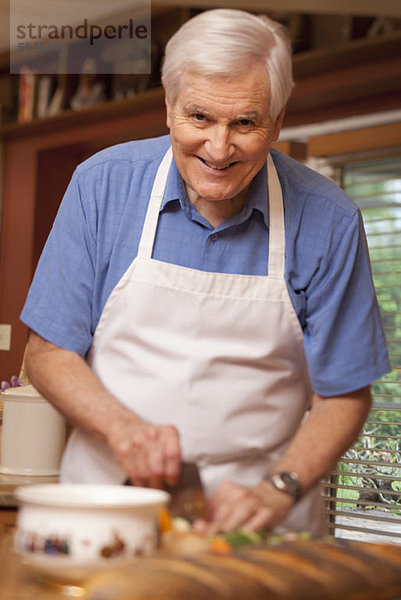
pixel 278 124
pixel 168 110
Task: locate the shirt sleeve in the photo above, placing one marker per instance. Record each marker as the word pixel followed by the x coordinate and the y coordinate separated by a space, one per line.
pixel 58 305
pixel 343 337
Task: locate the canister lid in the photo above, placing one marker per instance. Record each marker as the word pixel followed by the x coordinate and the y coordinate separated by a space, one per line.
pixel 22 392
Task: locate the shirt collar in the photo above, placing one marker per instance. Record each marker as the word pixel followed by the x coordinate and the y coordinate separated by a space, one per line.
pixel 257 196
pixel 175 189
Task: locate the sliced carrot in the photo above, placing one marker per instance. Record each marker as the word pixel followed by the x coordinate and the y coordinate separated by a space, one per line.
pixel 165 521
pixel 220 546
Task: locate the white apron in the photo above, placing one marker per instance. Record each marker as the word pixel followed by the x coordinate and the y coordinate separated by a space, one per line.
pixel 220 356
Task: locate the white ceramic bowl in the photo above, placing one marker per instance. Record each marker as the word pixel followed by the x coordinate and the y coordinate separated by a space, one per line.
pixel 65 530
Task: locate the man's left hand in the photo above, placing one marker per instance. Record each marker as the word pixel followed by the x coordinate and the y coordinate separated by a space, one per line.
pixel 234 506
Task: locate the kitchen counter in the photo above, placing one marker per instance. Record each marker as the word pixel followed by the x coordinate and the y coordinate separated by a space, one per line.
pixel 9 483
pixel 16 583
pixel 305 570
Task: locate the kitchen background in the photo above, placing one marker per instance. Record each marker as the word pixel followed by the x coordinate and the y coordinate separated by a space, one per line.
pixel 344 119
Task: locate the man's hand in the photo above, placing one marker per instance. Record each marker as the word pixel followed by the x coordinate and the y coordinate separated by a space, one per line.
pixel 331 427
pixel 150 454
pixel 234 506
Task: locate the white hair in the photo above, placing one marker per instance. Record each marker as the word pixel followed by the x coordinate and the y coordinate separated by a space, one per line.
pixel 225 42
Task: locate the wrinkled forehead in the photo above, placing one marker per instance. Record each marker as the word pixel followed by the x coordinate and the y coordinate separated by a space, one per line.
pixel 251 85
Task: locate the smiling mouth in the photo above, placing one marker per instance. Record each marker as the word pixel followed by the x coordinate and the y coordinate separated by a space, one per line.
pixel 216 167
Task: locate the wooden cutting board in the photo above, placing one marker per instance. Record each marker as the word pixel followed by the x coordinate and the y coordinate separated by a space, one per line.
pixel 296 570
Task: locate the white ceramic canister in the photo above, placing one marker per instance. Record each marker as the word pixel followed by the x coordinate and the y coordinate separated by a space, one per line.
pixel 33 433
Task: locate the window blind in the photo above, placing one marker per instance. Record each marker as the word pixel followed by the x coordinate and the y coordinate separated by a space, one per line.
pixel 363 495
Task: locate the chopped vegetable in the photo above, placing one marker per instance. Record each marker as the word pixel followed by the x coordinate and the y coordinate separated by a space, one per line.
pixel 165 521
pixel 243 537
pixel 184 542
pixel 181 538
pixel 181 524
pixel 219 545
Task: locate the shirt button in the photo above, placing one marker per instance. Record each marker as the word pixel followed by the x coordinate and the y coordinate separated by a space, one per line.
pixel 214 237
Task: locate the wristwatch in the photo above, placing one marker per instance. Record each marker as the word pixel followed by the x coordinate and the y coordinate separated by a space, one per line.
pixel 285 482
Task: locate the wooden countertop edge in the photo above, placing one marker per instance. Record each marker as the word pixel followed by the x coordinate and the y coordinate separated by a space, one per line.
pixel 9 483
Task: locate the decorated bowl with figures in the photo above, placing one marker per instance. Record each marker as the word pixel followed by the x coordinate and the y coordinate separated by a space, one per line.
pixel 71 528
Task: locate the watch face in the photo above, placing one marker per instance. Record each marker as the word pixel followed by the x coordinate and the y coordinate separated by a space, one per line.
pixel 290 482
pixel 287 482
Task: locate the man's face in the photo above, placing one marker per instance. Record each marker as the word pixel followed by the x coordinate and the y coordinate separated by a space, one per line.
pixel 221 133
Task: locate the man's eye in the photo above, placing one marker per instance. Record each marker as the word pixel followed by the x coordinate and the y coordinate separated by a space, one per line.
pixel 198 117
pixel 245 122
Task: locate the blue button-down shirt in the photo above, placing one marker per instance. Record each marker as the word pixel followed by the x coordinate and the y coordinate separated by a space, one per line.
pixel 96 234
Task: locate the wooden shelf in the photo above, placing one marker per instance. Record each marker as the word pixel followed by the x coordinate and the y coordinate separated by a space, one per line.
pixel 352 52
pixel 359 77
pixel 356 77
pixel 87 116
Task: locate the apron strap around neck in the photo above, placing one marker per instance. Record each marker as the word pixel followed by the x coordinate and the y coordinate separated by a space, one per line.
pixel 276 215
pixel 145 248
pixel 276 222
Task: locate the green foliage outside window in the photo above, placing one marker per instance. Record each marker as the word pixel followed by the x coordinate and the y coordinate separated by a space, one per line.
pixel 374 479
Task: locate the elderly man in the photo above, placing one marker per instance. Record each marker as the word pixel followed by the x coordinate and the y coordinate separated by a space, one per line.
pixel 199 295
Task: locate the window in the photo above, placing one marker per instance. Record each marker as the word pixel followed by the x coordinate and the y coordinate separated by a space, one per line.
pixel 364 492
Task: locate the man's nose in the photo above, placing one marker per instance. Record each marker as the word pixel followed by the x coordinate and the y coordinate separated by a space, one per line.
pixel 219 144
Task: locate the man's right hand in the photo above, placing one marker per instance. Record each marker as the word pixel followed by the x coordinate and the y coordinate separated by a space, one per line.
pixel 149 454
